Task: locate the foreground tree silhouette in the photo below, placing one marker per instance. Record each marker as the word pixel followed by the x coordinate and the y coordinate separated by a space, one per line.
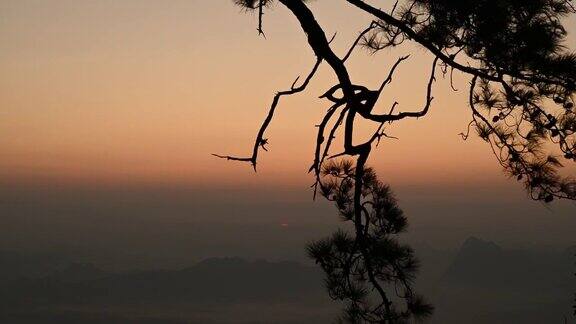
pixel 357 265
pixel 521 98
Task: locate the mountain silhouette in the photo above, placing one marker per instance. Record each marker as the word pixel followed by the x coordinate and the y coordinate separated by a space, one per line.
pixel 81 291
pixel 20 265
pixel 483 283
pixel 77 272
pixel 474 262
pixel 486 283
pixel 212 280
pixel 485 263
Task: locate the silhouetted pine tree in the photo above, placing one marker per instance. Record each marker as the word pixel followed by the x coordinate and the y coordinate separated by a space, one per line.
pixel 373 258
pixel 521 99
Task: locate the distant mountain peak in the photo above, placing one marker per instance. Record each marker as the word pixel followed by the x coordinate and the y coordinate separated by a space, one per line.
pixel 239 261
pixel 474 244
pixel 222 260
pixel 78 271
pixel 570 251
pixel 475 259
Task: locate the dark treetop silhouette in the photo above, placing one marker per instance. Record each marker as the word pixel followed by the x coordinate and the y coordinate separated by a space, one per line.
pixel 521 98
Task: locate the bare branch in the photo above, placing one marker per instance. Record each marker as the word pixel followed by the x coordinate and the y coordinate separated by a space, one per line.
pixel 260 17
pixel 260 140
pixel 422 112
pixel 391 73
pixel 362 33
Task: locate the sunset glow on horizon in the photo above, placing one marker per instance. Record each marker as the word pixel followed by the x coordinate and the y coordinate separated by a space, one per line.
pixel 129 92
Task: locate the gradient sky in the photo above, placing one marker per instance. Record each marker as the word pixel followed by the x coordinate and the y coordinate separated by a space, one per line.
pixel 136 91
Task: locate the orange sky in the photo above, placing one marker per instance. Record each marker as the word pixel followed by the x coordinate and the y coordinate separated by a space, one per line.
pixel 143 91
